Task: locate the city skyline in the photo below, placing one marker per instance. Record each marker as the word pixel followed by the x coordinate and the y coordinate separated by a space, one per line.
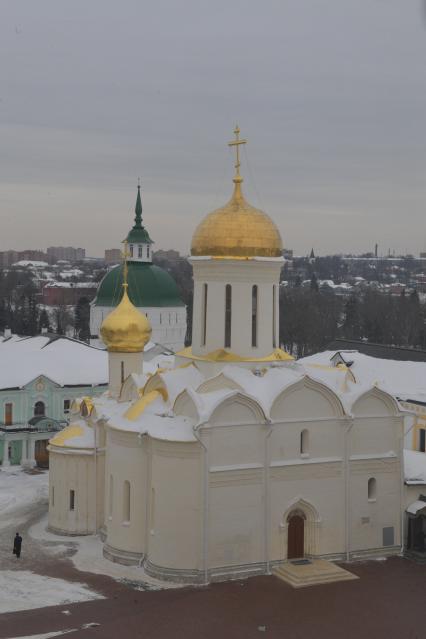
pixel 331 99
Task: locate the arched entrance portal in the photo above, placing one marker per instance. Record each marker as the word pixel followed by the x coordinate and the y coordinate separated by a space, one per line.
pixel 296 535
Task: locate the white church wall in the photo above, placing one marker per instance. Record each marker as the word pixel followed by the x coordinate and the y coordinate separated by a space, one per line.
pixel 322 486
pixel 242 276
pixel 72 472
pixel 175 508
pixel 306 399
pixel 125 462
pixel 235 446
pixel 236 516
pixel 325 440
pixel 372 511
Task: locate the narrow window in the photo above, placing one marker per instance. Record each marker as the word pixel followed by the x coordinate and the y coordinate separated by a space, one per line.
pixel 39 409
pixel 52 496
pixel 111 495
pixel 147 252
pixel 67 404
pixel 126 501
pixel 152 517
pixel 122 372
pixel 304 442
pixel 161 319
pixel 422 440
pixel 140 250
pixel 131 250
pixel 372 488
pixel 254 316
pixel 228 315
pixel 204 333
pixel 72 499
pixel 274 321
pixel 8 414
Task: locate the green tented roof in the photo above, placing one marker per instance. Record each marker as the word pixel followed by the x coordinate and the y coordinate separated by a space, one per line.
pixel 149 285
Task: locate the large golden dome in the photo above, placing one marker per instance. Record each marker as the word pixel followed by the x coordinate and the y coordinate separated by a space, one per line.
pixel 125 329
pixel 237 230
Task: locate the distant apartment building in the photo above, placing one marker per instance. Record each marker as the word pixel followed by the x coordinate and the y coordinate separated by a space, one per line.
pixel 113 256
pixel 7 258
pixel 69 253
pixel 68 293
pixel 170 255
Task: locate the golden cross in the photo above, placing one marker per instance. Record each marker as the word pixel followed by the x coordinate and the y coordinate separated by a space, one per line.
pixel 237 143
pixel 125 255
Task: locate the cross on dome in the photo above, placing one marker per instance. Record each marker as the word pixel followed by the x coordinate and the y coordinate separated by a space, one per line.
pixel 237 142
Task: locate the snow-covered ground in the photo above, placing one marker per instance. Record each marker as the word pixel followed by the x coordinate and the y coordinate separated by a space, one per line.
pixel 24 590
pixel 89 558
pixel 18 491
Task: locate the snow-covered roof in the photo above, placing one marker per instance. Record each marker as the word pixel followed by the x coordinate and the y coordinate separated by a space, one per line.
pixel 65 361
pixel 34 263
pixel 154 420
pixel 405 380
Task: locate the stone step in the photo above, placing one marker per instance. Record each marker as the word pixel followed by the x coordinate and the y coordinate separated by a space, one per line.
pixel 316 572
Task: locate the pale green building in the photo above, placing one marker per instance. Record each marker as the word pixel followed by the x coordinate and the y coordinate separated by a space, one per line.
pixel 39 378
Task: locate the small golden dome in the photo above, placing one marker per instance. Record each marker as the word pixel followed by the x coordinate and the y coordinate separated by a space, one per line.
pixel 125 329
pixel 237 230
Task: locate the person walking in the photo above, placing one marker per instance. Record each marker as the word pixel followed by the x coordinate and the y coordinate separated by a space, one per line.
pixel 17 543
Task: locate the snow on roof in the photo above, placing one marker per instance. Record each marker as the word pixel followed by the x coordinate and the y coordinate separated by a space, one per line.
pixel 414 467
pixel 77 435
pixel 156 420
pixel 35 263
pixel 65 361
pixel 405 380
pixel 177 379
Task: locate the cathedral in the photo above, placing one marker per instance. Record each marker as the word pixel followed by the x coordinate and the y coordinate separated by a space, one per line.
pixel 152 290
pixel 238 458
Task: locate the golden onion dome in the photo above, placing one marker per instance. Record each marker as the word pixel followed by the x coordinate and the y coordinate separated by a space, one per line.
pixel 237 230
pixel 125 329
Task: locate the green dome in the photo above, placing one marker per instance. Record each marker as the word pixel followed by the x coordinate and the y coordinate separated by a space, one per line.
pixel 149 285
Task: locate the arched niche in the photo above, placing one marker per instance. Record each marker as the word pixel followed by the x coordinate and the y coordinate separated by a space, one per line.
pixel 237 409
pixel 375 402
pixel 219 382
pixel 185 405
pixel 306 399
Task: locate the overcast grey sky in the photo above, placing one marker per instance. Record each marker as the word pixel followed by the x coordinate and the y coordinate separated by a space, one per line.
pixel 331 95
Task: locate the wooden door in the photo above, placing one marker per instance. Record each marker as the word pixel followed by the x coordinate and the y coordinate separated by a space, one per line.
pixel 8 414
pixel 41 453
pixel 296 535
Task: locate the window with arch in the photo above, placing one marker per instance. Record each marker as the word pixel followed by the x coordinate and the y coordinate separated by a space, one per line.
pixel 304 442
pixel 254 305
pixel 147 251
pixel 140 250
pixel 111 495
pixel 39 409
pixel 204 331
pixel 274 320
pixel 228 315
pixel 126 501
pixel 131 250
pixel 122 372
pixel 372 489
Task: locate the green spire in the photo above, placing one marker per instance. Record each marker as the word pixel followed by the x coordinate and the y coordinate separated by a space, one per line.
pixel 138 233
pixel 138 210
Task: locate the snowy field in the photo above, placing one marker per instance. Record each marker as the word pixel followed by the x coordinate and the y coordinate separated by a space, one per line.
pixel 24 590
pixel 23 495
pixel 19 491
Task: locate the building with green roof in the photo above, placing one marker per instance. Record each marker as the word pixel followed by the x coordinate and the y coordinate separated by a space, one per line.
pixel 151 289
